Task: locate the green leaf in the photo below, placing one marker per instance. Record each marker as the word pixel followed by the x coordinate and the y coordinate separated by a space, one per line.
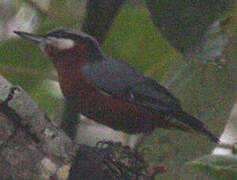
pixel 135 39
pixel 219 166
pixel 234 149
pixel 183 23
pixel 100 17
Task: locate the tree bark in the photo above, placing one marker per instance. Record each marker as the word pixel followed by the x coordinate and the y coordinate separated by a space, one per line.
pixel 31 146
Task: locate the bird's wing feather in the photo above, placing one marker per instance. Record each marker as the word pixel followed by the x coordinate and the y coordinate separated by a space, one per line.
pixel 118 79
pixel 149 93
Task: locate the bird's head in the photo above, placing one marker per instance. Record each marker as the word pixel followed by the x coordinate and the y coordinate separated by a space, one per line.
pixel 67 45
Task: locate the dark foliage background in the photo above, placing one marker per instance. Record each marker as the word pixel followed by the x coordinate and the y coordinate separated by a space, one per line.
pixel 188 46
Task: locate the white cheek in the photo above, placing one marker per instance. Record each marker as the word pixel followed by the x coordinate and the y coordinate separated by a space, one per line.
pixel 63 43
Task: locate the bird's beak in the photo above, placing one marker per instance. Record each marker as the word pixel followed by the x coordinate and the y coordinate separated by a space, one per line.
pixel 34 37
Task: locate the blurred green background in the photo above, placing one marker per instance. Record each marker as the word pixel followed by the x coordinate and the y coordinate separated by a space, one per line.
pixel 204 80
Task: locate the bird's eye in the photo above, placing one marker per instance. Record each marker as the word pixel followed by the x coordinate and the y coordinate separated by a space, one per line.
pixel 61 43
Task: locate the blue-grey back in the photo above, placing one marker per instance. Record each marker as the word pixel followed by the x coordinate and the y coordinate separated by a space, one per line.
pixel 112 75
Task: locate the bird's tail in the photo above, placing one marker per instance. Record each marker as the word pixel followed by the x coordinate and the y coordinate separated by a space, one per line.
pixel 195 124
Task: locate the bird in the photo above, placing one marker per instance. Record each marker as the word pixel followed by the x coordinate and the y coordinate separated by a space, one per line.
pixel 109 90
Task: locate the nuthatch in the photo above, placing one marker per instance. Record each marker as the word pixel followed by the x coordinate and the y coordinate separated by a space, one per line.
pixel 108 90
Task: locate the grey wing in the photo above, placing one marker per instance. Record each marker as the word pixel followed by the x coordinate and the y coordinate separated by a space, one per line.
pixel 150 94
pixel 111 75
pixel 118 79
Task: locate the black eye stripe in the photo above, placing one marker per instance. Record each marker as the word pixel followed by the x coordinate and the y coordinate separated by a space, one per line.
pixel 65 35
pixel 68 35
